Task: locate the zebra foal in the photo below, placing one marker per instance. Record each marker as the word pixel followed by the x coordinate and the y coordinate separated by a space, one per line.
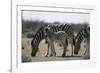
pixel 52 37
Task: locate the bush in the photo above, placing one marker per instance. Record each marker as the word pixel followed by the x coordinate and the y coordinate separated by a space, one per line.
pixel 30 35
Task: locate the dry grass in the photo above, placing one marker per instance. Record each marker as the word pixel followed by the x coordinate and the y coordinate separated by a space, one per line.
pixel 40 56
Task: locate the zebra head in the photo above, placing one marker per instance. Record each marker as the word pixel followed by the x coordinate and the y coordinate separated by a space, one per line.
pixel 47 30
pixel 40 34
pixel 77 48
pixel 34 50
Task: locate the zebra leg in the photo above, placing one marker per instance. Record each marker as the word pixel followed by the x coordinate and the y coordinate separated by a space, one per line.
pixel 65 48
pixel 88 49
pixel 87 53
pixel 64 51
pixel 72 46
pixel 72 49
pixel 53 53
pixel 48 50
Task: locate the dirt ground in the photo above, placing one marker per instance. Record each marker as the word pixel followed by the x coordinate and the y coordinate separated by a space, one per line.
pixel 40 56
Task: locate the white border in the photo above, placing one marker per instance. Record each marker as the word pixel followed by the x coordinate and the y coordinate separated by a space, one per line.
pixel 17 66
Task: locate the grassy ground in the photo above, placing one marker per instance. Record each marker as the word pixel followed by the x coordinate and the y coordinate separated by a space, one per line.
pixel 40 56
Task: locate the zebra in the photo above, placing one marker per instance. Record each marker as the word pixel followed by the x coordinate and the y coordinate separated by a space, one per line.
pixel 59 36
pixel 84 33
pixel 40 35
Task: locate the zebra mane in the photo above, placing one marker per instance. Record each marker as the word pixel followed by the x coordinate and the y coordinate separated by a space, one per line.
pixel 83 33
pixel 39 35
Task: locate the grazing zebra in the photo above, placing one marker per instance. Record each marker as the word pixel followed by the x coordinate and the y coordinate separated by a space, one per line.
pixel 59 36
pixel 40 35
pixel 55 28
pixel 84 33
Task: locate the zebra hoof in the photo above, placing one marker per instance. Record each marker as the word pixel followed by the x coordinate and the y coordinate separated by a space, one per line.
pixel 51 55
pixel 32 54
pixel 63 55
pixel 46 56
pixel 22 47
pixel 46 42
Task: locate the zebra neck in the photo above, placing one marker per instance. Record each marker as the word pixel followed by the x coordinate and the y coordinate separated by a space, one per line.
pixel 50 33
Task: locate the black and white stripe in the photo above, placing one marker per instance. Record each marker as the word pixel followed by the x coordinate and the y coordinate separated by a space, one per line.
pixel 40 35
pixel 84 33
pixel 55 28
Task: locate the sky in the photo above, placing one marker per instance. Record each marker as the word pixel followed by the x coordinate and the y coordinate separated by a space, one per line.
pixel 55 16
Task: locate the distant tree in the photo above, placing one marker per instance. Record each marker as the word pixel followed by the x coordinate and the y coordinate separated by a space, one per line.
pixel 56 22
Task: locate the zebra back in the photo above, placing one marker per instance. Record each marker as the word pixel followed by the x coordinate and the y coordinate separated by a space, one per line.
pixel 63 27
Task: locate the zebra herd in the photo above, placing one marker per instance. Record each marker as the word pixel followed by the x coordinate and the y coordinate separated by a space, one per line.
pixel 60 33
